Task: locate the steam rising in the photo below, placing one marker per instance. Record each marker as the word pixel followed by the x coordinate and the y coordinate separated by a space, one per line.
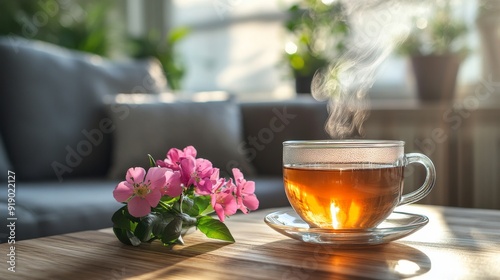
pixel 377 28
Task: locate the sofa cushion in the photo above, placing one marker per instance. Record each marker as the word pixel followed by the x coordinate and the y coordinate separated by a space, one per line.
pixel 268 125
pixel 52 115
pixel 213 128
pixel 50 207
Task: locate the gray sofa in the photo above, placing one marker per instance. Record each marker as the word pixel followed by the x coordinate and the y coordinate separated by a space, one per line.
pixel 68 135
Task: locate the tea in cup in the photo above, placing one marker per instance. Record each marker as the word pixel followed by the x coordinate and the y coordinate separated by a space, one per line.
pixel 349 184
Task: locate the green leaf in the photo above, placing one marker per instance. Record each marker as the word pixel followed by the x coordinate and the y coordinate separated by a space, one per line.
pixel 214 228
pixel 121 234
pixel 144 228
pixel 189 207
pixel 168 228
pixel 122 219
pixel 172 232
pixel 207 211
pixel 187 221
pixel 126 236
pixel 133 239
pixel 203 204
pixel 294 8
pixel 152 161
pixel 196 206
pixel 177 34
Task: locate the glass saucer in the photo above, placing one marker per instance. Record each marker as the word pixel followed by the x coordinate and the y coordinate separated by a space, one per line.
pixel 396 226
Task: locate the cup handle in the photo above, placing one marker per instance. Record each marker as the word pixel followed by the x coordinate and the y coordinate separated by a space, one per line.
pixel 430 178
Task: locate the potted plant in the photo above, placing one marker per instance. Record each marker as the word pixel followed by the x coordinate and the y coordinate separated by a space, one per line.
pixel 318 30
pixel 436 47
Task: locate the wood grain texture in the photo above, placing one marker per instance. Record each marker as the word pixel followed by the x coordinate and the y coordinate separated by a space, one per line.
pixel 457 243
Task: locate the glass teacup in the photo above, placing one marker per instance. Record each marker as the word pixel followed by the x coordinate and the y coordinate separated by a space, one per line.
pixel 349 184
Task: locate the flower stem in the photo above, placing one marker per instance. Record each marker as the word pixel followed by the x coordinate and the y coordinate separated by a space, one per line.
pixel 165 205
pixel 169 207
pixel 180 202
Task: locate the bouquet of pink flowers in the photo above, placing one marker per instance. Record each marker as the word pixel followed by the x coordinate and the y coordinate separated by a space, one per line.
pixel 176 194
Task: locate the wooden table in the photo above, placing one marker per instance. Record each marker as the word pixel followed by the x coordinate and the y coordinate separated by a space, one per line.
pixel 457 243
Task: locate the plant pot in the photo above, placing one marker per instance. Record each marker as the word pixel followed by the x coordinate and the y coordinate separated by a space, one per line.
pixel 436 76
pixel 303 84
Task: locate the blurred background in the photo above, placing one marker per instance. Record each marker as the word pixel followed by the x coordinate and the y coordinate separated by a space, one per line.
pixel 436 84
pixel 230 44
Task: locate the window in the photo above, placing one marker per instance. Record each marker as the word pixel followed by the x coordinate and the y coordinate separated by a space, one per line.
pixel 234 45
pixel 238 46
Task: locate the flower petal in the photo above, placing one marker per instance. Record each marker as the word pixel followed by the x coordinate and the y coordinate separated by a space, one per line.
pixel 251 202
pixel 156 176
pixel 220 212
pixel 204 187
pixel 230 187
pixel 135 175
pixel 161 163
pixel 190 151
pixel 123 191
pixel 138 207
pixel 238 176
pixel 204 167
pixel 215 175
pixel 213 200
pixel 173 156
pixel 248 187
pixel 230 205
pixel 241 205
pixel 188 165
pixel 153 197
pixel 173 187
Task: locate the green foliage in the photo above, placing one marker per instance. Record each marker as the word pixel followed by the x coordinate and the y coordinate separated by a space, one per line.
pixel 154 44
pixel 443 34
pixel 168 222
pixel 169 231
pixel 200 205
pixel 214 228
pixel 124 226
pixel 320 31
pixel 75 25
pixel 152 161
pixel 87 26
pixel 144 229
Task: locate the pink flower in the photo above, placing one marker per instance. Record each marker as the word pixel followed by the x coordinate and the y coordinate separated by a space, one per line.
pixel 245 195
pixel 173 185
pixel 174 157
pixel 140 190
pixel 223 201
pixel 197 172
pixel 215 176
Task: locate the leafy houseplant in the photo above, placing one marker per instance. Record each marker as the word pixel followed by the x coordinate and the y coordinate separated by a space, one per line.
pixel 153 44
pixel 436 47
pixel 82 25
pixel 319 30
pixel 175 195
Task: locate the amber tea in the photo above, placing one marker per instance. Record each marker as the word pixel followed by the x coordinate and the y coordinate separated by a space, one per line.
pixel 343 196
pixel 349 184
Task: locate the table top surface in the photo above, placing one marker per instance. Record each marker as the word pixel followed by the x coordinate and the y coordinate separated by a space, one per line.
pixel 457 243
